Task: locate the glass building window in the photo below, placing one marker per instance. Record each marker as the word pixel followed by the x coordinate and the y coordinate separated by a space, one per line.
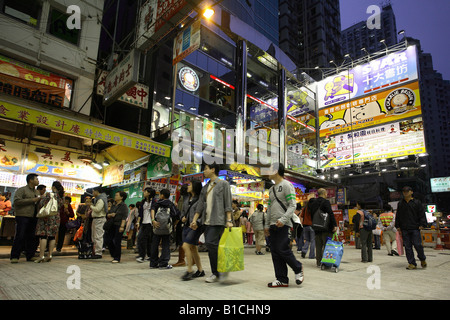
pixel 301 129
pixel 27 11
pixel 58 27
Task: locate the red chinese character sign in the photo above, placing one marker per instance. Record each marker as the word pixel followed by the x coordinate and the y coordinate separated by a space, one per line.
pixel 31 83
pixel 122 77
pixel 136 96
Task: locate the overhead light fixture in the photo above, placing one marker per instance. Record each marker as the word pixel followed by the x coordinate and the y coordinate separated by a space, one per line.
pixel 97 165
pixel 106 163
pixel 208 13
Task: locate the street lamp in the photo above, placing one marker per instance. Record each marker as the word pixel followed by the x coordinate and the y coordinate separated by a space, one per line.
pixel 208 13
pixel 404 36
pixel 317 68
pixel 368 54
pixel 383 41
pixel 348 56
pixel 337 68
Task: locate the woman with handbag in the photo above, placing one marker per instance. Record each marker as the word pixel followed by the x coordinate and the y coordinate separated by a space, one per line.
pixel 48 220
pixel 191 236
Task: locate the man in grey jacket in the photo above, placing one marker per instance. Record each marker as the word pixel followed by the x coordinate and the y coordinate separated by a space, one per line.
pixel 279 220
pixel 25 200
pixel 215 207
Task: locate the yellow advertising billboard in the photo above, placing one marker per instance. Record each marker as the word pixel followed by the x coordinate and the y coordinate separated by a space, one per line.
pixel 391 140
pixel 382 107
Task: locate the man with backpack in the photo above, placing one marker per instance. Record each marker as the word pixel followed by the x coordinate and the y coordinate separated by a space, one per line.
pixel 322 206
pixel 367 224
pixel 164 214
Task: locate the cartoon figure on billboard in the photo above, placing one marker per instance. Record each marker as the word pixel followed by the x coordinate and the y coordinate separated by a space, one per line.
pixel 340 85
pixel 365 111
pixel 330 123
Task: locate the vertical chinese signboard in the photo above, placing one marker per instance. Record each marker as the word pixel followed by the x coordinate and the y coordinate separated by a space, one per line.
pixel 135 96
pixel 122 77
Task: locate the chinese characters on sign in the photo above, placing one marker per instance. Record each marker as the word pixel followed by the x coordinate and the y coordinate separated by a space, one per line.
pixel 28 82
pixel 123 77
pixel 136 95
pixel 380 74
pixel 88 130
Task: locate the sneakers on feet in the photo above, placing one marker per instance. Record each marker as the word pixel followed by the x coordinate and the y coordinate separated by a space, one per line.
pixel 277 284
pixel 187 276
pixel 423 264
pixel 140 260
pixel 198 274
pixel 411 267
pixel 166 267
pixel 212 278
pixel 299 277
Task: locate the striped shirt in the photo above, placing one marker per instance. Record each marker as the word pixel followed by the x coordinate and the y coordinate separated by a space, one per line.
pixel 386 218
pixel 286 194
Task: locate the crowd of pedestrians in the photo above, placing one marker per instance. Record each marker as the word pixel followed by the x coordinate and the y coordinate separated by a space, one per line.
pixel 202 211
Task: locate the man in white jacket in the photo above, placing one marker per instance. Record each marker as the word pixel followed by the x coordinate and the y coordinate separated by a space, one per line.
pixel 99 210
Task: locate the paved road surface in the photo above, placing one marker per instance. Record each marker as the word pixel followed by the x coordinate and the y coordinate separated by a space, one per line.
pixel 385 278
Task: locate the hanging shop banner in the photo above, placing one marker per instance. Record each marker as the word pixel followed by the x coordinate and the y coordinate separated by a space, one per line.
pixel 376 143
pixel 159 166
pixel 122 77
pixel 251 187
pixel 136 96
pixel 11 156
pixel 186 42
pixel 79 128
pixel 440 184
pixel 58 163
pixel 113 173
pixel 159 184
pixel 392 70
pixel 41 79
pixel 383 107
pixel 23 89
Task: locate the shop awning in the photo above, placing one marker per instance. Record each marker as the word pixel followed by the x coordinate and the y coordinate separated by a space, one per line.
pixel 60 121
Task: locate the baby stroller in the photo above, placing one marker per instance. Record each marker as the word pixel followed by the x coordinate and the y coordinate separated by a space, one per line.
pixel 84 243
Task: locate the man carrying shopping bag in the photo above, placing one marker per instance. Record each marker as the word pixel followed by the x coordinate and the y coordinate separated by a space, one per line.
pixel 214 206
pixel 279 220
pixel 231 251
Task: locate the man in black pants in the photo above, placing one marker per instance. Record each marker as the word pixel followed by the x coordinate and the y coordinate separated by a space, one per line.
pixel 277 224
pixel 410 219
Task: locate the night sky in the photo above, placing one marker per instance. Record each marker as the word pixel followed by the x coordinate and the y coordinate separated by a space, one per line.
pixel 428 21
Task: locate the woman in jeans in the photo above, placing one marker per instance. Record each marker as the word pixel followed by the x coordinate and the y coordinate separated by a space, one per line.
pixel 119 214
